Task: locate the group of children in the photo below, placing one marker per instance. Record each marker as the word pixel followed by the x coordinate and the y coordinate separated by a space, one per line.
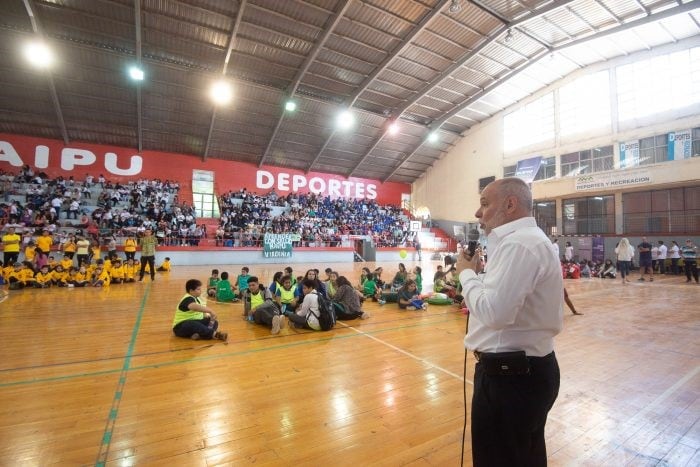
pixel 99 273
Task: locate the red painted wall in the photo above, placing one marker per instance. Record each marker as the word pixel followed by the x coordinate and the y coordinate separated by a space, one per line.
pixel 121 164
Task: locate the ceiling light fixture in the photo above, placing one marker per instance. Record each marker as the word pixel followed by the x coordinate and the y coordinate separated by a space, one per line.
pixel 393 128
pixel 455 6
pixel 290 106
pixel 39 54
pixel 136 73
pixel 433 137
pixel 221 93
pixel 345 120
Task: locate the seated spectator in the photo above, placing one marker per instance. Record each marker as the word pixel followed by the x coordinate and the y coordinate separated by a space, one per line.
pixel 192 319
pixel 307 314
pixel 349 299
pixel 608 270
pixel 258 306
pixel 571 270
pixel 585 269
pixel 224 290
pixel 409 299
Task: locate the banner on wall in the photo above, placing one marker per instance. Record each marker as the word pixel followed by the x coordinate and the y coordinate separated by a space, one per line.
pixel 527 168
pixel 629 154
pixel 277 245
pixel 598 250
pixel 585 247
pixel 119 164
pixel 612 180
pixel 680 145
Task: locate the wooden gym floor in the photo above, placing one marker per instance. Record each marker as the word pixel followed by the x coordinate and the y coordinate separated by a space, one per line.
pixel 95 377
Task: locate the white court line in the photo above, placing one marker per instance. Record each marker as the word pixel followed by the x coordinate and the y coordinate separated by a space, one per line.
pixel 409 354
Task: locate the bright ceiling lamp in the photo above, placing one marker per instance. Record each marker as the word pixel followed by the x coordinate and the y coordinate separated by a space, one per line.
pixel 39 54
pixel 290 106
pixel 433 137
pixel 393 129
pixel 221 93
pixel 345 120
pixel 136 73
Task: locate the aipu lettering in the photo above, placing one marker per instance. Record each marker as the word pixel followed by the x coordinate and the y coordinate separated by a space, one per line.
pixel 71 158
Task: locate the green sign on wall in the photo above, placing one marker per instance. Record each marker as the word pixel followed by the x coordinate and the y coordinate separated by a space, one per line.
pixel 277 245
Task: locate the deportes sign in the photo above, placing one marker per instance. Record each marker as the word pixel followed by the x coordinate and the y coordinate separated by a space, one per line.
pixel 612 180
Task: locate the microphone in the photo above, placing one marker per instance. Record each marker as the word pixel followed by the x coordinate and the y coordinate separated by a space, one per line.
pixel 473 237
pixel 472 244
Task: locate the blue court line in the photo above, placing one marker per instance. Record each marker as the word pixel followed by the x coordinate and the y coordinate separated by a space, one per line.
pixel 447 318
pixel 114 409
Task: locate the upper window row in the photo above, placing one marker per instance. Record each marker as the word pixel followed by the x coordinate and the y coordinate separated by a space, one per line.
pixel 644 88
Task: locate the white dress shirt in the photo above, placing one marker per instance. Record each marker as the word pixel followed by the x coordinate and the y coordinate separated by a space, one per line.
pixel 663 250
pixel 517 304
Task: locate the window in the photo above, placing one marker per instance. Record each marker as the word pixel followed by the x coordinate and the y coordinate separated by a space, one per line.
pixel 653 150
pixel 545 214
pixel 695 152
pixel 586 216
pixel 673 211
pixel 658 84
pixel 588 161
pixel 203 198
pixel 509 171
pixel 485 181
pixel 530 125
pixel 548 168
pixel 585 105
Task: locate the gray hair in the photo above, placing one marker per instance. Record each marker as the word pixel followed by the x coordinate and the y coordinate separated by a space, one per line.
pixel 514 186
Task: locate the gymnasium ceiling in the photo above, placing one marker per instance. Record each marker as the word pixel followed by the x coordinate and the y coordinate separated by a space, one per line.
pixel 433 65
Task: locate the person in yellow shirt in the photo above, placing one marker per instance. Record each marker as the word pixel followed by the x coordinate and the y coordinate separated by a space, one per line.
pixel 6 272
pixel 130 247
pixel 59 276
pixel 52 263
pixel 107 264
pixel 30 252
pixel 130 270
pixel 100 277
pixel 69 247
pixel 21 276
pixel 117 272
pixel 165 266
pixel 95 251
pixel 81 278
pixel 66 262
pixel 43 245
pixel 43 278
pixel 11 243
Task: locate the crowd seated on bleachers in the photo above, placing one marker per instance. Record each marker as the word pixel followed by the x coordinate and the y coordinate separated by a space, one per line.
pixel 100 208
pixel 318 220
pixel 103 209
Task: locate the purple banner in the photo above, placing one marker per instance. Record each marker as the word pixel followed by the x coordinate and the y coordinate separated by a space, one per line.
pixel 598 249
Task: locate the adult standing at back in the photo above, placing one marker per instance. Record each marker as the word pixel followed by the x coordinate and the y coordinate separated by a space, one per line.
pixel 515 312
pixel 625 253
pixel 11 244
pixel 82 251
pixel 663 253
pixel 690 260
pixel 148 254
pixel 568 252
pixel 644 249
pixel 675 254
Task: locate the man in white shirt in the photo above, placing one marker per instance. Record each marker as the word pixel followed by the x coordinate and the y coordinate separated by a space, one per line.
pixel 663 252
pixel 515 312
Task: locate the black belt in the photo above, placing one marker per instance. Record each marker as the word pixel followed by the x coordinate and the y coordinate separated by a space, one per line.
pixel 478 355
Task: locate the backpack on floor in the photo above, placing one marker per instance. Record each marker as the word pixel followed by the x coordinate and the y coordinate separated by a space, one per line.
pixel 326 313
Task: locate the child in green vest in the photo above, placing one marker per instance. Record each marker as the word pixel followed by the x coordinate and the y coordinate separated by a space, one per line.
pixel 242 281
pixel 224 290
